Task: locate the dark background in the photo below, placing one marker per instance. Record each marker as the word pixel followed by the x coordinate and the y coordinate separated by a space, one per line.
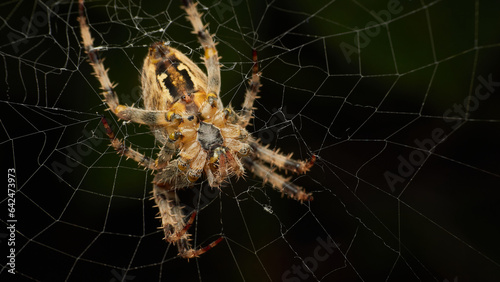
pixel 84 212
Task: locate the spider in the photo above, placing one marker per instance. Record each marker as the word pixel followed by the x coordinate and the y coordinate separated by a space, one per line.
pixel 199 136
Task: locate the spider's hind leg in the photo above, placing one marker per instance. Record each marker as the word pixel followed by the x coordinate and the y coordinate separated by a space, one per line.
pixel 251 93
pixel 100 71
pixel 206 40
pixel 110 96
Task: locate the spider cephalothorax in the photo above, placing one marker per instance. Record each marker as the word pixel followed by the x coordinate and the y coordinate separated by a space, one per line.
pixel 198 135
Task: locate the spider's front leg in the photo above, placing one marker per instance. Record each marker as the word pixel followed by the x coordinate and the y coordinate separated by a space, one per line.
pixel 275 158
pixel 277 181
pixel 172 217
pixel 261 154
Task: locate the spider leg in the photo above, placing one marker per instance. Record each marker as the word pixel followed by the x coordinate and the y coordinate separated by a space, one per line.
pixel 251 93
pixel 211 57
pixel 281 161
pixel 277 181
pixel 148 117
pixel 100 71
pixel 172 216
pixel 128 152
pixel 192 253
pixel 165 155
pixel 110 97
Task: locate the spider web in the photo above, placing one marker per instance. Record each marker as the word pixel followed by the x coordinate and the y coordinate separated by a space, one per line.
pixel 398 99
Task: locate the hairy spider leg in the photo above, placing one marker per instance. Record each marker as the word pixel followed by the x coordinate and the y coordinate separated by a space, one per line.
pixel 110 96
pixel 127 113
pixel 171 214
pixel 211 57
pixel 275 158
pixel 192 253
pixel 251 93
pixel 97 64
pixel 126 151
pixel 277 181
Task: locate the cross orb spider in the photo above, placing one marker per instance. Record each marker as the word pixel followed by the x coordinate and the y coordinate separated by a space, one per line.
pixel 199 136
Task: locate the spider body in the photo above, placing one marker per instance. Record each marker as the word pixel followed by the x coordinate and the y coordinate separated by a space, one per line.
pixel 194 122
pixel 199 136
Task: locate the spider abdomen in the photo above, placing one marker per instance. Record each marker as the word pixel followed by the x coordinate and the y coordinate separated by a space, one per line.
pixel 169 76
